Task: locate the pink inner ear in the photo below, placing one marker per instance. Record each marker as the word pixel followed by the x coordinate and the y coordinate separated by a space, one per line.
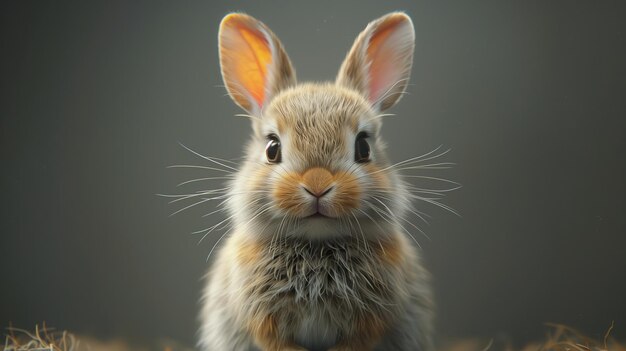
pixel 245 57
pixel 252 69
pixel 382 76
pixel 382 54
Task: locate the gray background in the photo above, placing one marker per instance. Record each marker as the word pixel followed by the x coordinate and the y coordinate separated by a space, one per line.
pixel 96 96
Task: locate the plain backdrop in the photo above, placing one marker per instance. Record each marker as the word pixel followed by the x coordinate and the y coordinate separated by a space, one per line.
pixel 97 96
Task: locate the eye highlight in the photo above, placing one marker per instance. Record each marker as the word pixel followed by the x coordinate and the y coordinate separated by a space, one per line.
pixel 272 149
pixel 361 148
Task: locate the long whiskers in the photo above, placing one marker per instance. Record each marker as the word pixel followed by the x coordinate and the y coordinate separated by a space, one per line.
pixel 413 163
pixel 391 219
pixel 211 159
pixel 201 167
pixel 223 195
pixel 379 199
pixel 202 179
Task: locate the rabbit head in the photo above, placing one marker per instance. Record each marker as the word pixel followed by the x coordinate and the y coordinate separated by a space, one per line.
pixel 315 163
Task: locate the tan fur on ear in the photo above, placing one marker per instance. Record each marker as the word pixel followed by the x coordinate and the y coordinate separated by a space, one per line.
pixel 254 64
pixel 379 63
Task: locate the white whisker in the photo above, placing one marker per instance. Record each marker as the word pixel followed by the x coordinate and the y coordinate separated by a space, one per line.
pixel 211 159
pixel 438 204
pixel 388 217
pixel 414 188
pixel 214 212
pixel 431 178
pixel 202 179
pixel 200 167
pixel 214 245
pixel 389 93
pixel 409 161
pixel 190 206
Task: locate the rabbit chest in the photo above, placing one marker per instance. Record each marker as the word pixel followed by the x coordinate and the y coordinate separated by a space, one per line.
pixel 315 291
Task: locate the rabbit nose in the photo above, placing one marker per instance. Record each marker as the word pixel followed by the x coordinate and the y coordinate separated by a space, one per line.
pixel 317 181
pixel 318 195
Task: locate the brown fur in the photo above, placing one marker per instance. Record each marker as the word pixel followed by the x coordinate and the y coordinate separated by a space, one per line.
pixel 300 110
pixel 390 251
pixel 249 252
pixel 348 192
pixel 267 335
pixel 289 194
pixel 368 330
pixel 317 180
pixel 286 193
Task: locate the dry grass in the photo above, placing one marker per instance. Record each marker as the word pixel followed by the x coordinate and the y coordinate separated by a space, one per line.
pixel 559 338
pixel 47 339
pixel 41 339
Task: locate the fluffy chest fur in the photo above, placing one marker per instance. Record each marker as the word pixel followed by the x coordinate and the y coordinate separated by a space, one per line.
pixel 318 291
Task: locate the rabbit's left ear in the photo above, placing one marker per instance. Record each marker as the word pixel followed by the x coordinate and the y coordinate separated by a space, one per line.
pixel 254 64
pixel 379 63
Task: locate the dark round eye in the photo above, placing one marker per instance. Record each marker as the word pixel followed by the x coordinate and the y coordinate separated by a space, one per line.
pixel 361 148
pixel 272 149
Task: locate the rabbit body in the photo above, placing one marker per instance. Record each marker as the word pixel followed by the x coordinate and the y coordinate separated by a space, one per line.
pixel 314 293
pixel 317 258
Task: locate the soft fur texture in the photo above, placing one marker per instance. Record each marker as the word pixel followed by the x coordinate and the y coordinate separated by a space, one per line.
pixel 317 258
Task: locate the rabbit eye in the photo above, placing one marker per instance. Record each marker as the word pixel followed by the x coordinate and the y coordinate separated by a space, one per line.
pixel 361 148
pixel 272 149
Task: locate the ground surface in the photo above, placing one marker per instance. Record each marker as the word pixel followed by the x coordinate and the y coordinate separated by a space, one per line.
pixel 558 338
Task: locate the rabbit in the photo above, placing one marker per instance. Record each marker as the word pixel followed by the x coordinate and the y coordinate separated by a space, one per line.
pixel 316 259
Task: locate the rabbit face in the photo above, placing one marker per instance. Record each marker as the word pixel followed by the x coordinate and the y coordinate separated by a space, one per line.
pixel 327 175
pixel 329 147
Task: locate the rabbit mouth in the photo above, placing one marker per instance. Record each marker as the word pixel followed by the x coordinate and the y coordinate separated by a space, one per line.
pixel 318 215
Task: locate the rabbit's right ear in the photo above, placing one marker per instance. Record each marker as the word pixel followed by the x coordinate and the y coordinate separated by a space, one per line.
pixel 254 64
pixel 379 63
